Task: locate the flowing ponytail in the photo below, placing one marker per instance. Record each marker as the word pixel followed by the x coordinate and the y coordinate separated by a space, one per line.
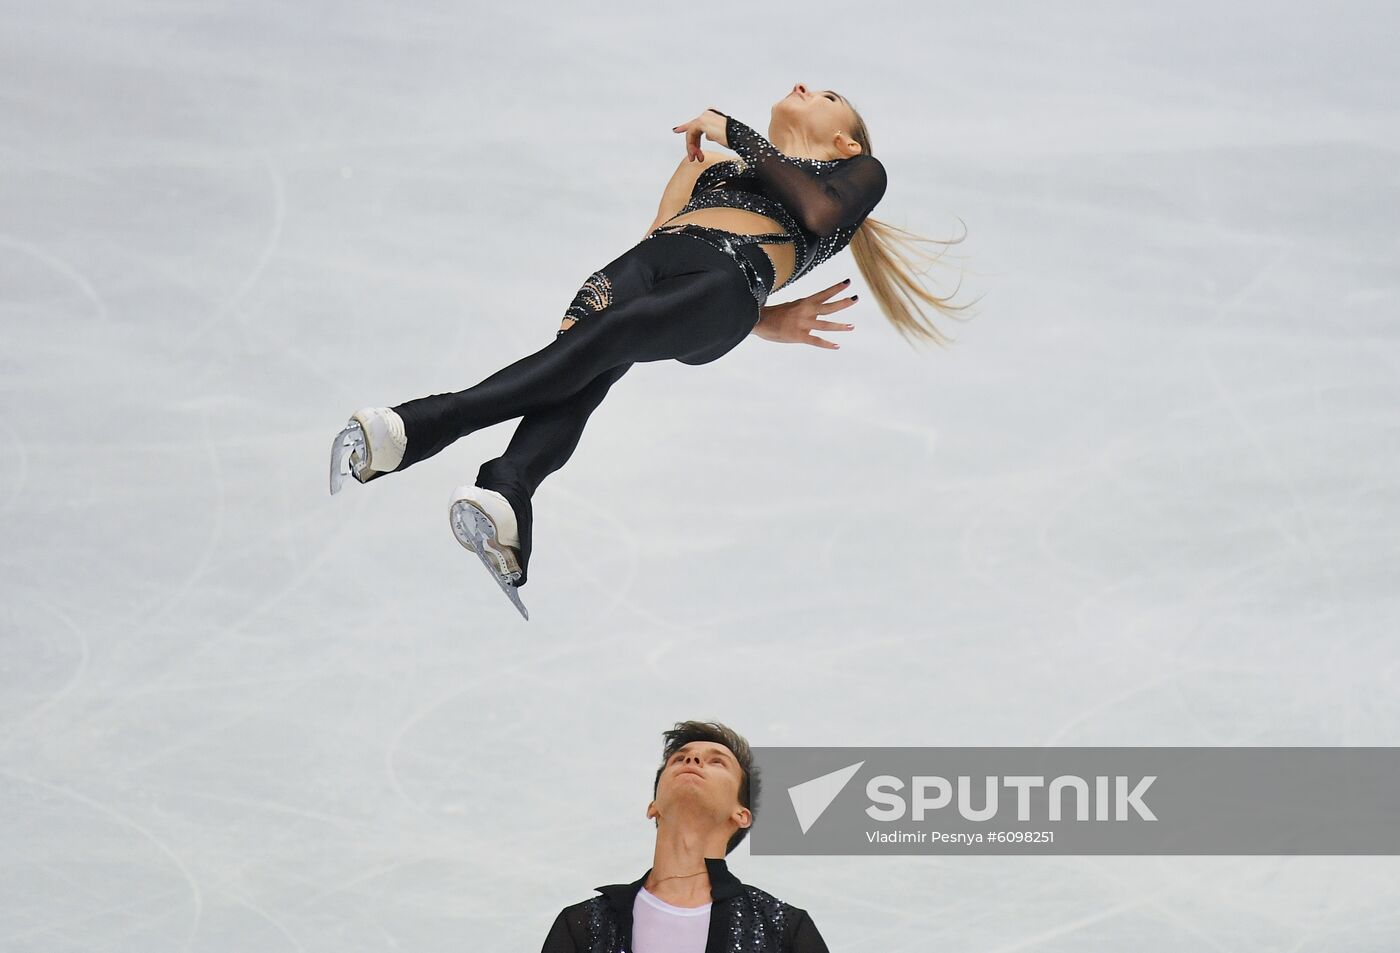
pixel 891 273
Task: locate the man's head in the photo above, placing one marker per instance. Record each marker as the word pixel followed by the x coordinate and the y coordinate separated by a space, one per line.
pixel 707 770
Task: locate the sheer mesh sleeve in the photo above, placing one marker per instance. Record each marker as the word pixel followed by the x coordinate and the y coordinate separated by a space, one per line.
pixel 821 203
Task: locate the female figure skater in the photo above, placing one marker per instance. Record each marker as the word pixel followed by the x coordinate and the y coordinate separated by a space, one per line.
pixel 728 233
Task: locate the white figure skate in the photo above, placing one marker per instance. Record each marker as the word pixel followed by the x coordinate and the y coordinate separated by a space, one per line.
pixel 372 444
pixel 483 521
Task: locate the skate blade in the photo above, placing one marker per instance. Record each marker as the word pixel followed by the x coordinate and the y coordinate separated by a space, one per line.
pixel 475 531
pixel 347 443
pixel 348 456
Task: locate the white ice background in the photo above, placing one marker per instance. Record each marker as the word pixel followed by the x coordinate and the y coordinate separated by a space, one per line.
pixel 1149 497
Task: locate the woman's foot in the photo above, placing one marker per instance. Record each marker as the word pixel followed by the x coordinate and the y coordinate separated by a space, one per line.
pixel 372 444
pixel 483 521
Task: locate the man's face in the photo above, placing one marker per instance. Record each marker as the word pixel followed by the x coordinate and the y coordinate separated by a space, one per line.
pixel 701 775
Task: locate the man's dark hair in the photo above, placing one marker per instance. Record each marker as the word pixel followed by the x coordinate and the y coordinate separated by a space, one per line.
pixel 687 731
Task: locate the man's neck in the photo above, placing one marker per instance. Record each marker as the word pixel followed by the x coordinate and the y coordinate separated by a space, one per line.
pixel 678 873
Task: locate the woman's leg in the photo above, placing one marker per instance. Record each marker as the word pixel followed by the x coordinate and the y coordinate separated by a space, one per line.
pixel 543 442
pixel 697 310
pixel 545 439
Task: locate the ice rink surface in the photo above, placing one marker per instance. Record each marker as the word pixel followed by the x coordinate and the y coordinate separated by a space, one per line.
pixel 1149 497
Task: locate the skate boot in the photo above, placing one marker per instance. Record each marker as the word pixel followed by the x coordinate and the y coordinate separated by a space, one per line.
pixel 371 445
pixel 483 521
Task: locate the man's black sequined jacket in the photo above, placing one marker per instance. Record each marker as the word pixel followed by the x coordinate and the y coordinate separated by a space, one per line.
pixel 743 919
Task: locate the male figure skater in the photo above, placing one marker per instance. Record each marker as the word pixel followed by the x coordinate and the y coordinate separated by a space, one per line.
pixel 703 802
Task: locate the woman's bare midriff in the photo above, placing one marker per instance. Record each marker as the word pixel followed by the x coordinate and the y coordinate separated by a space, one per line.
pixel 744 222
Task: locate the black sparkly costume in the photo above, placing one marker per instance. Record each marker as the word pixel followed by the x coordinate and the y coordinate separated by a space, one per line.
pixel 743 919
pixel 819 202
pixel 687 293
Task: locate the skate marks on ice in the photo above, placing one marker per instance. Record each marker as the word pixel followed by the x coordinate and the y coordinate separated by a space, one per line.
pixel 29 693
pixel 115 820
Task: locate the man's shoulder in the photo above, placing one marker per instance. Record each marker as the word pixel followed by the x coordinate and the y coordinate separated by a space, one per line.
pixel 773 908
pixel 582 925
pixel 593 905
pixel 788 926
pixel 759 895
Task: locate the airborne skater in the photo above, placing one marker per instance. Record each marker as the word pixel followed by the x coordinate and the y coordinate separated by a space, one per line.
pixel 728 233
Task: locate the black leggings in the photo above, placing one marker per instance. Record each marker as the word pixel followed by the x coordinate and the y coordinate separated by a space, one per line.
pixel 671 297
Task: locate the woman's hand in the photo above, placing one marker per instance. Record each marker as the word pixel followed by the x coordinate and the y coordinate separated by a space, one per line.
pixel 710 123
pixel 793 322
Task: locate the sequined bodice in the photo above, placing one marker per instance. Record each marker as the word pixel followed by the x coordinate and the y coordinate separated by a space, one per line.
pixel 820 203
pixel 732 184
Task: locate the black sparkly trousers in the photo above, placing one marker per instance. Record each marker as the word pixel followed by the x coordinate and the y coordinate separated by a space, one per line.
pixel 670 297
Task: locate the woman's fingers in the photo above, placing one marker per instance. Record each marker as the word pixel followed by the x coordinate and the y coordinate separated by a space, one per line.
pixel 689 138
pixel 829 307
pixel 828 292
pixel 817 324
pixel 833 306
pixel 693 131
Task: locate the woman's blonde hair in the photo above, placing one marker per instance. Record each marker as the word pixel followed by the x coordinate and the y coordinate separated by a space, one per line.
pixel 891 273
